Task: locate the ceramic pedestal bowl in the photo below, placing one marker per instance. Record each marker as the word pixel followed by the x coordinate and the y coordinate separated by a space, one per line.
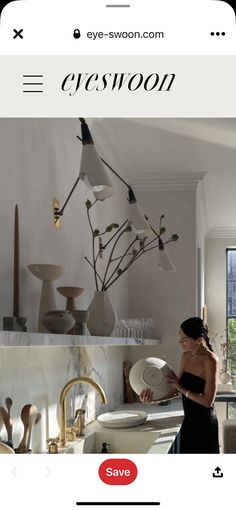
pixel 81 317
pixel 47 273
pixel 70 293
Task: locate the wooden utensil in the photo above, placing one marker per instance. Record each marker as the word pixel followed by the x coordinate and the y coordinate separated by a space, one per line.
pixel 1 420
pixel 27 411
pixel 8 403
pixel 34 418
pixel 38 418
pixel 7 422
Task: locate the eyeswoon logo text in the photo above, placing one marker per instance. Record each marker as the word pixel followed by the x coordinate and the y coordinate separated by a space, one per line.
pixel 73 83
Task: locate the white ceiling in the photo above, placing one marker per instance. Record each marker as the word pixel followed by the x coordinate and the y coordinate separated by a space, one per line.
pixel 149 150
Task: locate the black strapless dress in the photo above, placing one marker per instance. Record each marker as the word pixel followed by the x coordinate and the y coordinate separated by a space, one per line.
pixel 199 430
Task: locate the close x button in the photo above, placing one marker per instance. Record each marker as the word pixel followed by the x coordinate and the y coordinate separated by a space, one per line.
pixel 18 33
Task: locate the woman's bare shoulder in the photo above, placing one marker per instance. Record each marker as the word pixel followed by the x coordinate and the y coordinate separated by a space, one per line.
pixel 211 359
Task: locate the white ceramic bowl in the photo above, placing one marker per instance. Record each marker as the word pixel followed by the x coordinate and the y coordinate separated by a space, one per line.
pixel 122 419
pixel 47 272
pixel 151 373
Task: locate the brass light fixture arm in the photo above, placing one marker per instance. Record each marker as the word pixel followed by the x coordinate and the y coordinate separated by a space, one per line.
pixel 58 213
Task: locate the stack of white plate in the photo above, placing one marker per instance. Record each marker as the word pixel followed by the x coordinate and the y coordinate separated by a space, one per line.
pixel 122 419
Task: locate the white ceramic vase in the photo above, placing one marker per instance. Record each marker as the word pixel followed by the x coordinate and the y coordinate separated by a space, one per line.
pixel 102 316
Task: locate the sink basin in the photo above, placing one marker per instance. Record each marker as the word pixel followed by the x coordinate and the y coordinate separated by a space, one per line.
pixel 147 439
pixel 120 441
pixel 122 419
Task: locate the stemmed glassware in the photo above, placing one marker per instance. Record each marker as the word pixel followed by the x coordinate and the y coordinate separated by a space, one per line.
pixel 137 328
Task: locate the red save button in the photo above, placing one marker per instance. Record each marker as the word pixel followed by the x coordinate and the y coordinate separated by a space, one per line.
pixel 118 471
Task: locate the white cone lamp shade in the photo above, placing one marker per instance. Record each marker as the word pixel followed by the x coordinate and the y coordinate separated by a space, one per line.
pixel 138 221
pixel 94 174
pixel 164 261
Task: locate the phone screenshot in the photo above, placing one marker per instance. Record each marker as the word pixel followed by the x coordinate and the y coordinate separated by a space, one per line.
pixel 117 254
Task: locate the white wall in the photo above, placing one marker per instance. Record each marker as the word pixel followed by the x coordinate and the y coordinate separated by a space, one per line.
pixel 201 226
pixel 168 297
pixel 40 160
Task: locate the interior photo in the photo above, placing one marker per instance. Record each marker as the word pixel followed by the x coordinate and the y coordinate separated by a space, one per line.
pixel 118 286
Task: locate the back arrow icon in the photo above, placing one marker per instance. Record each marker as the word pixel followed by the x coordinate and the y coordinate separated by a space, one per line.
pixel 13 472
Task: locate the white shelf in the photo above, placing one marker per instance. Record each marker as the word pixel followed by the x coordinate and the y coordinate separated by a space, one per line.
pixel 19 339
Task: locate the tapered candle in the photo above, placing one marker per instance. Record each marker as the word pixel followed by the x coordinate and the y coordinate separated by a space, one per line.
pixel 16 283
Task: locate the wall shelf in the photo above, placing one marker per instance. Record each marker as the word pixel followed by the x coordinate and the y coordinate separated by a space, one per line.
pixel 19 339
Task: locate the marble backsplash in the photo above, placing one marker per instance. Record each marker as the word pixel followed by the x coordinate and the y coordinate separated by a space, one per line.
pixel 36 375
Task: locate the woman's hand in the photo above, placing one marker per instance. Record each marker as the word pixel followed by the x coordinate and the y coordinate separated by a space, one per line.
pixel 172 378
pixel 146 396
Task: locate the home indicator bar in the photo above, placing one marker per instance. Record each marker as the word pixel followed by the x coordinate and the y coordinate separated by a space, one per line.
pixel 123 503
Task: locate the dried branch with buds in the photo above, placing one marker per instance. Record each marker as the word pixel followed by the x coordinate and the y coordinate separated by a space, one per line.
pixel 109 239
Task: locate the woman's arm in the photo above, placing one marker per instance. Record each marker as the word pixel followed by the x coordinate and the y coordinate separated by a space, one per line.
pixel 207 399
pixel 182 364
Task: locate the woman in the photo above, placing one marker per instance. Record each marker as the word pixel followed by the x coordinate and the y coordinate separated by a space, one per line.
pixel 197 383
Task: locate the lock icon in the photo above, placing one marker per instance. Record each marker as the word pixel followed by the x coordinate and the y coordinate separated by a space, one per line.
pixel 76 33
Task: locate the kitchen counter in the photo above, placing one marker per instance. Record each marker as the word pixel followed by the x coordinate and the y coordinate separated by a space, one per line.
pixel 27 339
pixel 161 427
pixel 155 436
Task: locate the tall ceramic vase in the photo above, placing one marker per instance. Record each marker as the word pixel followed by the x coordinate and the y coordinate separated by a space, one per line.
pixel 102 316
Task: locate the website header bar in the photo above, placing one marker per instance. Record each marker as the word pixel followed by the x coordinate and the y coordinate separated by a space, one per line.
pixel 97 27
pixel 122 87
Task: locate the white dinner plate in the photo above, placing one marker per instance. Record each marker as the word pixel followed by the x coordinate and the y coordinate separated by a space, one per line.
pixel 151 373
pixel 122 419
pixel 4 448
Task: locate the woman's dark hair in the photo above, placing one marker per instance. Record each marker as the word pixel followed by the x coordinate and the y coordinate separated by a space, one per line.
pixel 194 327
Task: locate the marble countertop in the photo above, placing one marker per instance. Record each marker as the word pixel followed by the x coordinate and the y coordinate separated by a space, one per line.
pixel 20 339
pixel 226 397
pixel 162 424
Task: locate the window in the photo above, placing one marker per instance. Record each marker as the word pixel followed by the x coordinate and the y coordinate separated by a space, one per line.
pixel 231 306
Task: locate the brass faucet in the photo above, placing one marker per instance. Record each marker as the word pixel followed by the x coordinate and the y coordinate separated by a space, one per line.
pixel 79 416
pixel 65 390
